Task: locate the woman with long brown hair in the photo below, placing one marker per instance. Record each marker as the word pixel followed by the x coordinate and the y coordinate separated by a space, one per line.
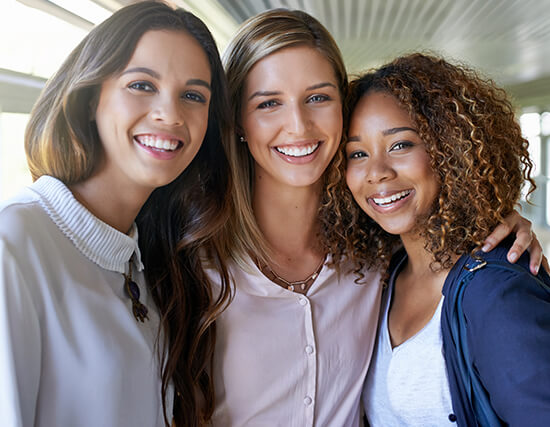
pixel 100 327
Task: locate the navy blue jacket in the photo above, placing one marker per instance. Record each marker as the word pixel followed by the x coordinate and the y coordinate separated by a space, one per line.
pixel 508 333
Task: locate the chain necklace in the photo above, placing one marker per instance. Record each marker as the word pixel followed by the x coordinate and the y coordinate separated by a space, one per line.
pixel 302 285
pixel 132 290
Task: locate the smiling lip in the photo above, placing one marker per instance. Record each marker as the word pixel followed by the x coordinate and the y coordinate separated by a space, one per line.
pixel 160 146
pixel 389 201
pixel 298 153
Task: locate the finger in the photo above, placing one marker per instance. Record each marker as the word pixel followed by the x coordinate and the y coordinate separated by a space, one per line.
pixel 499 233
pixel 523 242
pixel 535 252
pixel 545 263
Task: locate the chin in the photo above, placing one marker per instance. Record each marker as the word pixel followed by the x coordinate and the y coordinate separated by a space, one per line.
pixel 395 228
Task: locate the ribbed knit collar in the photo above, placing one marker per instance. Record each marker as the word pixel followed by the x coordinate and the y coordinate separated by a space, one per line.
pixel 98 241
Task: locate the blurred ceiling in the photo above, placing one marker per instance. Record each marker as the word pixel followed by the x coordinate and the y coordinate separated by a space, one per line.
pixel 507 40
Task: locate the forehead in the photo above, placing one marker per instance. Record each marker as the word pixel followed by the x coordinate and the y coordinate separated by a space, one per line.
pixel 379 109
pixel 174 51
pixel 291 68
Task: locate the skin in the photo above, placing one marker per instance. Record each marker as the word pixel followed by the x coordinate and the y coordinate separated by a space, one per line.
pixel 148 102
pixel 291 103
pixel 386 156
pixel 387 159
pixel 513 223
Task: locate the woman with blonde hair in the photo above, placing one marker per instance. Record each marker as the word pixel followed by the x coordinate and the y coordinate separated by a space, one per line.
pixel 435 159
pixel 100 327
pixel 294 344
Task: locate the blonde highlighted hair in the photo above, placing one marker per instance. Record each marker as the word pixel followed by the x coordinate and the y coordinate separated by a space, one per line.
pixel 257 38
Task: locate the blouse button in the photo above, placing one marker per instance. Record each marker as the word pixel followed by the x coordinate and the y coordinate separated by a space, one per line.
pixel 309 349
pixel 452 418
pixel 307 400
pixel 303 301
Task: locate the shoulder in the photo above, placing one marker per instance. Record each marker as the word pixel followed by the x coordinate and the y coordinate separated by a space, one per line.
pixel 504 292
pixel 20 214
pixel 26 230
pixel 493 274
pixel 501 278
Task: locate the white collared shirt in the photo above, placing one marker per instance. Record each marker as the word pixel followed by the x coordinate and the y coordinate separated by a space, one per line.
pixel 292 360
pixel 71 351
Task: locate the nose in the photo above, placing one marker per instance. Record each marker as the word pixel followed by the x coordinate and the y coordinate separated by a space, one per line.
pixel 379 170
pixel 298 120
pixel 168 110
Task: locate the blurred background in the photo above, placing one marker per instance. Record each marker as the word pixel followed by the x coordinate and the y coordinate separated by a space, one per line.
pixel 506 40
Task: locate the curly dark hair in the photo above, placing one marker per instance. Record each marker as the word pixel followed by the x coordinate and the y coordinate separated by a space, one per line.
pixel 475 148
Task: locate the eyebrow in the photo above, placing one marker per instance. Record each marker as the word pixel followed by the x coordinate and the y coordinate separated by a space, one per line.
pixel 199 82
pixel 271 93
pixel 393 131
pixel 156 75
pixel 142 70
pixel 386 132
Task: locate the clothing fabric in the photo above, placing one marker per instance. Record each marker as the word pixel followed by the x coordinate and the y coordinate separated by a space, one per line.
pixel 508 335
pixel 508 316
pixel 407 385
pixel 71 351
pixel 293 360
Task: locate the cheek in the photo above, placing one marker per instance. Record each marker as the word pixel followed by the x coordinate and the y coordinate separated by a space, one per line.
pixel 200 124
pixel 354 180
pixel 332 122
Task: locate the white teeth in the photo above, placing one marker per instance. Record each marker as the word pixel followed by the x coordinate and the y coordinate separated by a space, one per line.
pixel 297 151
pixel 159 143
pixel 392 198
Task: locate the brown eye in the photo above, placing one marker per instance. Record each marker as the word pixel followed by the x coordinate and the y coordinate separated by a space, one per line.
pixel 142 86
pixel 401 145
pixel 318 98
pixel 357 155
pixel 268 104
pixel 195 97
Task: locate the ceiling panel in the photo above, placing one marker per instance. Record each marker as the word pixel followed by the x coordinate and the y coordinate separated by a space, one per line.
pixel 508 40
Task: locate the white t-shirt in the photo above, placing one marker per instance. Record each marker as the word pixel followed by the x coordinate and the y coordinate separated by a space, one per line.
pixel 289 360
pixel 71 351
pixel 408 385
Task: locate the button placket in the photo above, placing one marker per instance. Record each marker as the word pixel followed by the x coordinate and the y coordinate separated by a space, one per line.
pixel 311 361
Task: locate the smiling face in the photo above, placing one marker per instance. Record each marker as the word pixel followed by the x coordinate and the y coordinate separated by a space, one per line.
pixel 389 170
pixel 152 117
pixel 292 116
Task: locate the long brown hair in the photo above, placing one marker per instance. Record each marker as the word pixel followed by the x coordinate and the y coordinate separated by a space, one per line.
pixel 62 141
pixel 257 38
pixel 475 147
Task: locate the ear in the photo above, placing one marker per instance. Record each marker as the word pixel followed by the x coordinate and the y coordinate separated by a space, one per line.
pixel 240 133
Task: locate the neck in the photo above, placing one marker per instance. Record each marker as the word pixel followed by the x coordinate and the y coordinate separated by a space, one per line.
pixel 113 205
pixel 287 217
pixel 420 260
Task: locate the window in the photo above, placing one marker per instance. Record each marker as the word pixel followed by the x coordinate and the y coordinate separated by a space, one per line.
pixel 535 127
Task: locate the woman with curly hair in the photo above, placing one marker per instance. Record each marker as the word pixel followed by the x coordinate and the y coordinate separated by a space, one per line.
pixel 435 160
pixel 294 344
